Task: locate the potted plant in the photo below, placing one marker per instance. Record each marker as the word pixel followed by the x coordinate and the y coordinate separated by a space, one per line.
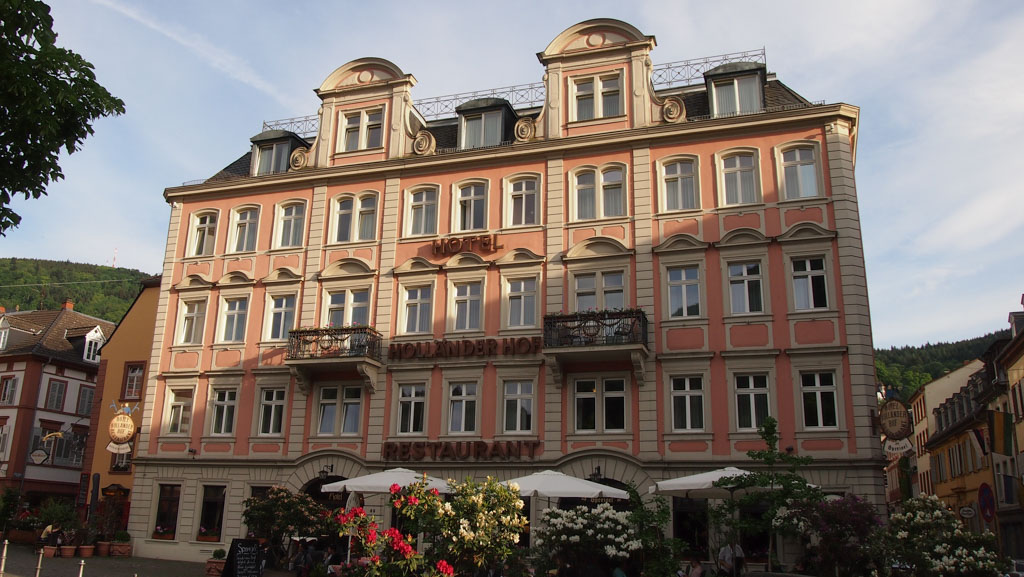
pixel 88 536
pixel 108 520
pixel 208 535
pixel 122 545
pixel 67 542
pixel 215 564
pixel 164 532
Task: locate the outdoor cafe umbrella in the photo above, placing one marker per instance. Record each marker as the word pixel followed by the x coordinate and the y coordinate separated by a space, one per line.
pixel 555 484
pixel 702 485
pixel 381 482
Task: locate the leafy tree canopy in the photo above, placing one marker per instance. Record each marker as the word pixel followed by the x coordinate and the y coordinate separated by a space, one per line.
pixel 907 368
pixel 49 98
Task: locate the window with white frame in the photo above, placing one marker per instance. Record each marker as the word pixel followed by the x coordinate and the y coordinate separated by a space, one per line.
pixel 8 390
pixel 518 406
pixel 235 311
pixel 423 212
pixel 739 179
pixel 355 218
pixel 411 406
pixel 523 202
pixel 85 398
pixel 223 411
pixel 246 225
pixel 92 348
pixel 472 207
pixel 468 306
pixel 272 158
pixel 522 302
pixel 481 129
pixel 292 220
pixel 600 291
pixel 687 404
pixel 751 401
pixel 340 409
pixel 55 394
pixel 271 411
pixel 282 316
pixel 599 194
pixel 679 182
pixel 362 130
pixel 600 405
pixel 193 319
pixel 684 291
pixel 745 287
pixel 462 408
pixel 418 301
pixel 597 96
pixel 819 395
pixel 737 96
pixel 800 173
pixel 809 290
pixel 350 307
pixel 179 411
pixel 204 233
pixel 4 334
pixel 133 379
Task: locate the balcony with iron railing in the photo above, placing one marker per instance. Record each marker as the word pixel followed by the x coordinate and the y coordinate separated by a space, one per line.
pixel 334 349
pixel 593 336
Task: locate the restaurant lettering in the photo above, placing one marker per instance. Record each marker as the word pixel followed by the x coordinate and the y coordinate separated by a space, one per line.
pixel 444 349
pixel 483 242
pixel 458 450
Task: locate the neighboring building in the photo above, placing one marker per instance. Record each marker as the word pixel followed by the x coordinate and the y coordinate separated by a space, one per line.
pixel 1011 513
pixel 48 364
pixel 613 276
pixel 121 385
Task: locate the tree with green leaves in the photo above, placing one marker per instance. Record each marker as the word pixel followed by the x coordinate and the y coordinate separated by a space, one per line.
pixel 49 98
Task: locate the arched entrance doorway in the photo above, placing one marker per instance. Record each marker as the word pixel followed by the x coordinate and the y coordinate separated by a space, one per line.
pixel 330 500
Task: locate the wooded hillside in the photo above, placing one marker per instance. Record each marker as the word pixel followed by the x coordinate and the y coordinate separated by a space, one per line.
pixel 907 368
pixel 100 291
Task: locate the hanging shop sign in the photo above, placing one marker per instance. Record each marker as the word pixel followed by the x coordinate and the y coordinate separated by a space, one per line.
pixel 894 418
pixel 967 512
pixel 445 349
pixel 898 446
pixel 482 243
pixel 459 450
pixel 122 428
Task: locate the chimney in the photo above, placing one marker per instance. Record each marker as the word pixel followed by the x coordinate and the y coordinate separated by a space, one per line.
pixel 69 305
pixel 1016 323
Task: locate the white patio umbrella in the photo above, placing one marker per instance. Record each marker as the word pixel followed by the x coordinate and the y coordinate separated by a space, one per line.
pixel 555 484
pixel 701 485
pixel 381 482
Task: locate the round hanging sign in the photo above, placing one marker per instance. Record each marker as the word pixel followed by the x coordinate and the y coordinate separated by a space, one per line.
pixel 894 418
pixel 122 428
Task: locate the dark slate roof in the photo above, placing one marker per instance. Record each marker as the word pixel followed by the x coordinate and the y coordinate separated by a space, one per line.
pixel 236 169
pixel 52 334
pixel 446 135
pixel 778 94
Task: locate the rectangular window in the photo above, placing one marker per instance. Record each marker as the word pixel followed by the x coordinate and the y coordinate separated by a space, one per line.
pixel 349 308
pixel 224 411
pixel 122 462
pixel 411 400
pixel 246 224
pixel 522 299
pixel 687 404
pixel 167 510
pixel 8 391
pixel 800 172
pixel 423 212
pixel 737 96
pixel 518 406
pixel 55 395
pixel 751 401
pixel 745 288
pixel 179 411
pixel 684 291
pixel 819 392
pixel 606 103
pixel 482 130
pixel 467 306
pixel 271 411
pixel 740 180
pixel 92 350
pixel 328 410
pixel 462 408
pixel 472 207
pixel 600 405
pixel 192 322
pixel 347 407
pixel 524 202
pixel 212 512
pixel 809 284
pixel 362 130
pixel 205 234
pixel 351 405
pixel 235 311
pixel 586 200
pixel 680 185
pixel 133 380
pixel 417 310
pixel 293 217
pixel 614 202
pixel 609 296
pixel 273 158
pixel 282 316
pixel 85 397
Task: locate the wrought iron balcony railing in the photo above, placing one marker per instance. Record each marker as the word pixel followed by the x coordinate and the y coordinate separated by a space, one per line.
pixel 334 342
pixel 596 328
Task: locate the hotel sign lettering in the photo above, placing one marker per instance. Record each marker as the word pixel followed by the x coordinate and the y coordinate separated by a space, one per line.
pixel 459 450
pixel 465 348
pixel 483 242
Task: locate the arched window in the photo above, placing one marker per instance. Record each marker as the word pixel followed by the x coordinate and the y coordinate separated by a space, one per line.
pixel 204 233
pixel 522 201
pixel 800 173
pixel 679 184
pixel 422 212
pixel 599 193
pixel 740 182
pixel 247 220
pixel 292 219
pixel 472 206
pixel 355 218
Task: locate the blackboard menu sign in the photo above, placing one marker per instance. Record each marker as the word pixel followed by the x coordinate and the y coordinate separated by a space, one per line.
pixel 243 559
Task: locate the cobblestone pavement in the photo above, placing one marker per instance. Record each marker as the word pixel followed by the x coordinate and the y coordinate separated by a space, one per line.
pixel 22 561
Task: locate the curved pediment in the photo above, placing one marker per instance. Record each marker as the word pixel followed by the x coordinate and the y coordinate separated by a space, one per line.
pixel 236 278
pixel 283 274
pixel 680 243
pixel 361 72
pixel 597 247
pixel 466 260
pixel 742 237
pixel 193 282
pixel 346 268
pixel 807 231
pixel 594 34
pixel 519 256
pixel 417 264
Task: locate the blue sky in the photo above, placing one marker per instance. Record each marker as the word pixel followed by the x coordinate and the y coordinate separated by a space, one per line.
pixel 939 87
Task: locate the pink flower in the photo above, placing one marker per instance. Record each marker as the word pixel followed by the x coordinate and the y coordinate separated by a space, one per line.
pixel 435 492
pixel 445 568
pixel 413 500
pixel 395 488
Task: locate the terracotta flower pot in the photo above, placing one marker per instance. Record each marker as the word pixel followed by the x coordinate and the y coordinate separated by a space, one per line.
pixel 49 550
pixel 67 550
pixel 215 567
pixel 102 548
pixel 86 551
pixel 120 549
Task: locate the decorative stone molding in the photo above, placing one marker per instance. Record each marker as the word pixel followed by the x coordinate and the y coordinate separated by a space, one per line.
pixel 299 158
pixel 525 129
pixel 673 110
pixel 424 144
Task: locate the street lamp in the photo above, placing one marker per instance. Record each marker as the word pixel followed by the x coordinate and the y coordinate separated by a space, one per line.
pixel 327 470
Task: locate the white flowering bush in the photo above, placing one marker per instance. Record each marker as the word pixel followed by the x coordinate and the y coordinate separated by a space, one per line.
pixel 582 533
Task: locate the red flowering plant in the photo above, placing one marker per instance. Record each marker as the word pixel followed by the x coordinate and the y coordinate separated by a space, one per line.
pixel 382 552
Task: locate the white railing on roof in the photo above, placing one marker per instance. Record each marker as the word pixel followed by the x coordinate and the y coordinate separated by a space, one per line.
pixel 668 75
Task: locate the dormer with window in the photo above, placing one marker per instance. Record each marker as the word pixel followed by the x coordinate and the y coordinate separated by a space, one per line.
pixel 736 88
pixel 485 122
pixel 271 151
pixel 88 340
pixel 5 333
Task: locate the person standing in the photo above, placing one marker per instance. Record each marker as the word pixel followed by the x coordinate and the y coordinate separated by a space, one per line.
pixel 730 559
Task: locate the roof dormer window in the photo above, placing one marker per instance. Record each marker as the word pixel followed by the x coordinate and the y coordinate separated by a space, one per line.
pixel 481 129
pixel 736 88
pixel 273 158
pixel 362 130
pixel 92 348
pixel 3 337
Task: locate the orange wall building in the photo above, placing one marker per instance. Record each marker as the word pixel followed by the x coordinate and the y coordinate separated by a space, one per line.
pixel 621 274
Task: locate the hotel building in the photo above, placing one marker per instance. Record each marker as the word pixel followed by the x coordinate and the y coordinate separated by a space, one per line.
pixel 618 272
